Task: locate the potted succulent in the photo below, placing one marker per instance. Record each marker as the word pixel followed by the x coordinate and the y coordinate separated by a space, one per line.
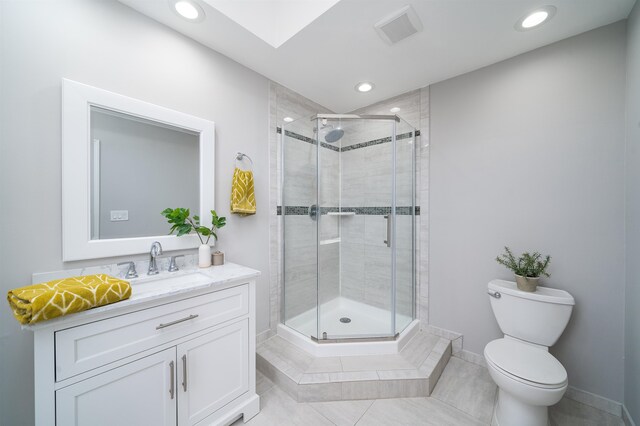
pixel 528 268
pixel 183 223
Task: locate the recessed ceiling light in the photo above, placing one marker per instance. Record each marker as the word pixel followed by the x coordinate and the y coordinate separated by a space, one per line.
pixel 395 109
pixel 288 119
pixel 364 87
pixel 535 18
pixel 188 10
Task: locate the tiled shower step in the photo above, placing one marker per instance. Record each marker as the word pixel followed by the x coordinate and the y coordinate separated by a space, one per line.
pixel 413 372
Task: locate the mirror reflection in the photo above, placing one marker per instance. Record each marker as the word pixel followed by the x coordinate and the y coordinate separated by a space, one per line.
pixel 139 167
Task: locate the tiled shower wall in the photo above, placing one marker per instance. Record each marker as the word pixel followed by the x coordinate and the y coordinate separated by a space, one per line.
pixel 373 167
pixel 367 181
pixel 364 172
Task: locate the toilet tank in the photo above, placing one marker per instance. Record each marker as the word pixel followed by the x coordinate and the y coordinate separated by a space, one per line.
pixel 538 317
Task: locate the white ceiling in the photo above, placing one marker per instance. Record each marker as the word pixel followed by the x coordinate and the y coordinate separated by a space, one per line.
pixel 326 58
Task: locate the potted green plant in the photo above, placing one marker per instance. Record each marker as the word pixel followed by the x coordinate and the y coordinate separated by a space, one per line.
pixel 528 268
pixel 183 223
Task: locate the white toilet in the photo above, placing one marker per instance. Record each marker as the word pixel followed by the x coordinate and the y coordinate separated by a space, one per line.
pixel 529 378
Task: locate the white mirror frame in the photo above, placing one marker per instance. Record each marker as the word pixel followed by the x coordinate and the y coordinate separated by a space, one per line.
pixel 77 99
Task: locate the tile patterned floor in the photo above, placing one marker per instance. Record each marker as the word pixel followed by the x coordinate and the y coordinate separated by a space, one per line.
pixel 411 373
pixel 464 395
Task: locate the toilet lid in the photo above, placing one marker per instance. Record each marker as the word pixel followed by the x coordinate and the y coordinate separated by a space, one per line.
pixel 525 361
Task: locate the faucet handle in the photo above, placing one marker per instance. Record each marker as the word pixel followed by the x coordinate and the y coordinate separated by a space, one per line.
pixel 131 272
pixel 172 263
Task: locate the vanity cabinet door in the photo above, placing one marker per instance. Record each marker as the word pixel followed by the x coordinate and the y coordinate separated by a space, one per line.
pixel 140 393
pixel 212 371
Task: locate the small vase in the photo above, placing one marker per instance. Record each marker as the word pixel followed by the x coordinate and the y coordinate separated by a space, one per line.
pixel 204 256
pixel 529 284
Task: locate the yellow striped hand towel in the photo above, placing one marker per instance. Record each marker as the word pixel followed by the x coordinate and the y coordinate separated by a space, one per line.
pixel 243 198
pixel 44 301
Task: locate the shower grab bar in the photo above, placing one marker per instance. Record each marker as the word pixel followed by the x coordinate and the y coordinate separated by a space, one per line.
pixel 388 240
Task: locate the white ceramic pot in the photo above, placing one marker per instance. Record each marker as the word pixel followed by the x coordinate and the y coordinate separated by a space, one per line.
pixel 204 256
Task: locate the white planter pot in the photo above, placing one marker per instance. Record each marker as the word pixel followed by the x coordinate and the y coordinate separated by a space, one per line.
pixel 204 256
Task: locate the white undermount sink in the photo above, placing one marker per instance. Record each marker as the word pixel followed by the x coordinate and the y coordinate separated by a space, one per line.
pixel 165 282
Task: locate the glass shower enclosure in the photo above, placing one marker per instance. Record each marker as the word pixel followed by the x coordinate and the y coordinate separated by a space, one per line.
pixel 348 213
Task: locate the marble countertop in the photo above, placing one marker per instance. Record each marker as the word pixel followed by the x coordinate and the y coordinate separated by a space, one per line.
pixel 163 286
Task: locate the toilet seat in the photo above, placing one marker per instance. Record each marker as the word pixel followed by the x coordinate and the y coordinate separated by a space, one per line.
pixel 525 363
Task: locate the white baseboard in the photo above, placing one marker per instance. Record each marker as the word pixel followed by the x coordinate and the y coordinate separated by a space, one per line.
pixel 471 357
pixel 595 401
pixel 626 417
pixel 456 338
pixel 447 334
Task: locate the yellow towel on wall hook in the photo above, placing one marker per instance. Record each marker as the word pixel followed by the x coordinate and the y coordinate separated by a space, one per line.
pixel 243 198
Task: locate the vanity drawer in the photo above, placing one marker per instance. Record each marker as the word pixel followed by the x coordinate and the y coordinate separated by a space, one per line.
pixel 89 346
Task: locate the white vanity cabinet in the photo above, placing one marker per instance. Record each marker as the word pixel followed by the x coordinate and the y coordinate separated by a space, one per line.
pixel 180 359
pixel 134 394
pixel 212 372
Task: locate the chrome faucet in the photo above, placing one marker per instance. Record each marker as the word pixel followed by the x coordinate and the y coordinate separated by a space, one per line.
pixel 131 271
pixel 156 250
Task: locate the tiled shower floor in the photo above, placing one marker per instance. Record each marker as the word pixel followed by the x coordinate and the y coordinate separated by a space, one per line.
pixel 464 395
pixel 366 320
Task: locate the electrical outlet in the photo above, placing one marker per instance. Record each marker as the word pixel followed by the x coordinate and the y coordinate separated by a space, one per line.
pixel 119 215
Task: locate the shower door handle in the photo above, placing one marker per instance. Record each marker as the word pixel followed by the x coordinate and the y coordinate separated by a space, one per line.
pixel 388 240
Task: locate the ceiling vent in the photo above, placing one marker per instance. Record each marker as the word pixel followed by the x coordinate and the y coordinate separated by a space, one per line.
pixel 399 25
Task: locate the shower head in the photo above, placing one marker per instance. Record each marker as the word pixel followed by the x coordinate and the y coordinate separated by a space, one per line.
pixel 333 135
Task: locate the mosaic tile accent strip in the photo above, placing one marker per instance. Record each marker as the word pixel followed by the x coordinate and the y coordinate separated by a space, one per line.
pixel 367 211
pixel 378 141
pixel 308 140
pixel 296 210
pixel 350 147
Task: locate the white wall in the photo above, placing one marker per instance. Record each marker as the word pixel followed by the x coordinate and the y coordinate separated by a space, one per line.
pixel 107 45
pixel 632 292
pixel 529 153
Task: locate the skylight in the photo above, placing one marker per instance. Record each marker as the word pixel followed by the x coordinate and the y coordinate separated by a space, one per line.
pixel 274 21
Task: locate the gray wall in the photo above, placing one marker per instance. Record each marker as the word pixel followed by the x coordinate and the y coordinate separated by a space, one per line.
pixel 632 292
pixel 107 45
pixel 139 165
pixel 529 153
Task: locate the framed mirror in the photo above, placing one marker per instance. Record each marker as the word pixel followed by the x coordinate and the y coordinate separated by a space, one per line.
pixel 123 162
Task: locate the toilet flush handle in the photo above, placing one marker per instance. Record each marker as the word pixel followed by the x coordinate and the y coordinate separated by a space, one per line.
pixel 495 294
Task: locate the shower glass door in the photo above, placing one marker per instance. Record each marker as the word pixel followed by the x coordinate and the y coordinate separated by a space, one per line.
pixel 356 292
